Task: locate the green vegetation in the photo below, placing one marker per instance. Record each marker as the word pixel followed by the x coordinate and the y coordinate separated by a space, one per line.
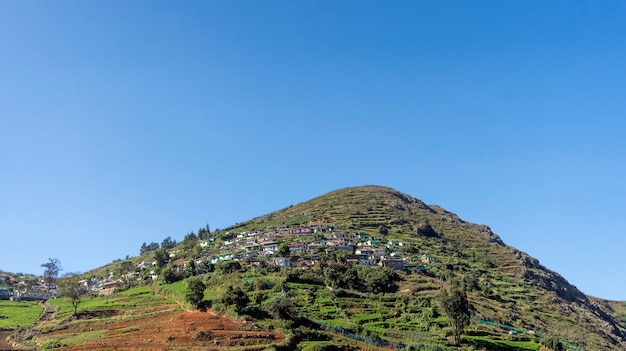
pixel 457 310
pixel 195 292
pixel 496 297
pixel 13 314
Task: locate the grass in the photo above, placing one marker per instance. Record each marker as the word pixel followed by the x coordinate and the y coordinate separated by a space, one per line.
pixel 412 314
pixel 23 313
pixel 122 302
pixel 82 337
pixel 505 345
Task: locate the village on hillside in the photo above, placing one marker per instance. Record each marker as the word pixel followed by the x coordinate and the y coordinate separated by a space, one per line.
pixel 300 247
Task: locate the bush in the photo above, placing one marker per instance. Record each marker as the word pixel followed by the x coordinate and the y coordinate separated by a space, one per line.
pixel 282 307
pixel 195 292
pixel 234 296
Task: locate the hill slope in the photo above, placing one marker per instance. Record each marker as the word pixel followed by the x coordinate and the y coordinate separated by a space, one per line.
pixel 334 297
pixel 512 287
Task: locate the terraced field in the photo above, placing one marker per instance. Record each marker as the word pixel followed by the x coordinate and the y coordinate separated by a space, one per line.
pixel 137 319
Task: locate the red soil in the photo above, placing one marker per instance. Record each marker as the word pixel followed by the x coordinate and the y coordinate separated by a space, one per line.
pixel 188 330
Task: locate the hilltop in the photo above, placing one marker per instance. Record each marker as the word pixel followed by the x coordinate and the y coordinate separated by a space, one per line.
pixel 360 267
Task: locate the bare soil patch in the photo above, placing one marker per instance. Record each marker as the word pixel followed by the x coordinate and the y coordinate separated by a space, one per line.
pixel 182 330
pixel 4 345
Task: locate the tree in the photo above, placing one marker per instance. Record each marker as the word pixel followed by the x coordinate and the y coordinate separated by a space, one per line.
pixel 234 296
pixel 228 267
pixel 283 250
pixel 204 233
pixel 457 310
pixel 168 243
pixel 382 230
pixel 190 240
pixel 70 287
pixel 205 267
pixel 148 247
pixel 171 275
pixel 195 292
pixel 161 257
pixel 552 342
pixel 282 307
pixel 51 272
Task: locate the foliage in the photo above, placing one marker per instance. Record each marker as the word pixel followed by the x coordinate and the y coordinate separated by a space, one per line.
pixel 52 269
pixel 283 250
pixel 234 296
pixel 228 267
pixel 195 291
pixel 161 257
pixel 190 241
pixel 168 243
pixel 204 233
pixel 148 247
pixel 552 342
pixel 70 287
pixel 282 307
pixel 171 275
pixel 426 230
pixel 369 279
pixel 205 267
pixel 457 310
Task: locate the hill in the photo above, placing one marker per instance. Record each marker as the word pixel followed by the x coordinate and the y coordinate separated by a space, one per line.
pixel 357 268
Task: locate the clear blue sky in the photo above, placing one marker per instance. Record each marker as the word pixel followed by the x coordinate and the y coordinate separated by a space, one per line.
pixel 123 122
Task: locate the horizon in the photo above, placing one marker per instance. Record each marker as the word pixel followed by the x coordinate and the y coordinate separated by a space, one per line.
pixel 125 123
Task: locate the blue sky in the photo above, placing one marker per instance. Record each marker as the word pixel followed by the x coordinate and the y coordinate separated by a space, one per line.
pixel 126 122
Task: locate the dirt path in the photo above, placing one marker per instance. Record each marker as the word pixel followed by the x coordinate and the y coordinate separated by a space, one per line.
pixel 4 345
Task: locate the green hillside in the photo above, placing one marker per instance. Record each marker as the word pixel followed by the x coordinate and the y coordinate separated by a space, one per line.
pixel 357 268
pixel 508 286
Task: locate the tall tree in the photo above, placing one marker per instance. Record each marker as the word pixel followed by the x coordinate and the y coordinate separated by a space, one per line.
pixel 283 250
pixel 148 247
pixel 234 296
pixel 457 310
pixel 168 243
pixel 161 257
pixel 195 292
pixel 51 272
pixel 70 287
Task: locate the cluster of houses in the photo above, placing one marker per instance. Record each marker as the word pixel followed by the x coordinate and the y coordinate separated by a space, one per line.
pixel 306 244
pixel 27 289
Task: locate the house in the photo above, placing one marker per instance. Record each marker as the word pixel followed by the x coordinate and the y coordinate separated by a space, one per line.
pixel 33 295
pixel 392 263
pixel 4 294
pixel 271 246
pixel 366 261
pixel 146 264
pixel 295 247
pixel 252 247
pixel 393 244
pixel 112 284
pixel 308 263
pixel 367 251
pixel 372 242
pixel 313 246
pixel 361 260
pixel 282 261
pixel 132 275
